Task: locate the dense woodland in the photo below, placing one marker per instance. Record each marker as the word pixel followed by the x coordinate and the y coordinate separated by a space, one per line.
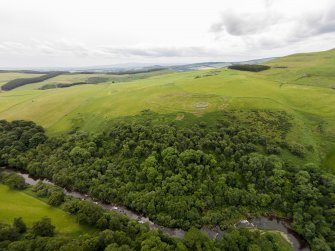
pixel 186 174
pixel 113 231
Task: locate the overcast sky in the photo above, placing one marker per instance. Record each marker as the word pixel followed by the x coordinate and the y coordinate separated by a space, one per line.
pixel 39 33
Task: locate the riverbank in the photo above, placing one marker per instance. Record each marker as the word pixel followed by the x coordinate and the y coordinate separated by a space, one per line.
pixel 262 223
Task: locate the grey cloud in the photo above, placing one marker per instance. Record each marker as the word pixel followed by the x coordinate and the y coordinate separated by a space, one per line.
pixel 314 24
pixel 268 3
pixel 273 30
pixel 162 51
pixel 44 47
pixel 13 47
pixel 238 24
pixel 75 48
pixel 64 47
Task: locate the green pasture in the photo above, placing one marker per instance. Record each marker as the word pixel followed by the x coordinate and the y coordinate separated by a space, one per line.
pixel 309 102
pixel 15 204
pixel 316 69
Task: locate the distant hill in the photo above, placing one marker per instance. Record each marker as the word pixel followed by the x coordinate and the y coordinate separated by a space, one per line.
pixel 216 65
pixel 136 68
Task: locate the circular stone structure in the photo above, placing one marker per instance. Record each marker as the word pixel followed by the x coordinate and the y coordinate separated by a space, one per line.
pixel 200 105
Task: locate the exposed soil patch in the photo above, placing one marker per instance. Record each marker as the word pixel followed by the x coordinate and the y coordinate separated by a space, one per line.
pixel 200 105
pixel 180 117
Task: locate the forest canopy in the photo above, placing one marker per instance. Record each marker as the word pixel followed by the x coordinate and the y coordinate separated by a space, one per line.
pixel 227 167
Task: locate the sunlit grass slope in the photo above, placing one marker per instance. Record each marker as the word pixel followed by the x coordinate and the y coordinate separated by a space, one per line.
pixel 15 204
pixel 317 69
pixel 89 107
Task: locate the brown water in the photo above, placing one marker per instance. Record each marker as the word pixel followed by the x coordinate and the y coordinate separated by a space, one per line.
pixel 269 223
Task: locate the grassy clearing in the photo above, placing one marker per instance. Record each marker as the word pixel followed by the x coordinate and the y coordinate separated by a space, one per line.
pixel 19 204
pixel 311 103
pixel 282 243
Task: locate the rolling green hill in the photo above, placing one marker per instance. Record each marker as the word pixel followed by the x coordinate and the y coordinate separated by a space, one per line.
pixel 316 69
pixel 303 89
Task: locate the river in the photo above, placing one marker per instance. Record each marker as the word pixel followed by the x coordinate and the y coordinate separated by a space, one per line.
pixel 268 223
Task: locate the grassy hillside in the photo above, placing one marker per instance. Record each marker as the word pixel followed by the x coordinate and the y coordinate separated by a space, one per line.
pixel 15 204
pixel 308 99
pixel 316 69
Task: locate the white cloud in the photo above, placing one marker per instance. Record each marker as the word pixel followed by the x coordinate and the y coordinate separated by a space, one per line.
pixel 162 51
pixel 241 24
pixel 87 32
pixel 275 29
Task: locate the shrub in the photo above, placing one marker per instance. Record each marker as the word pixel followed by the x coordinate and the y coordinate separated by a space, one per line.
pixel 297 149
pixel 54 193
pixel 13 180
pixel 43 228
pixel 8 232
pixel 272 149
pixel 19 225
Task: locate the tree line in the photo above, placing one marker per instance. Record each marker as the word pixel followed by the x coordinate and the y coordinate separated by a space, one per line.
pixel 15 83
pixel 91 80
pixel 249 67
